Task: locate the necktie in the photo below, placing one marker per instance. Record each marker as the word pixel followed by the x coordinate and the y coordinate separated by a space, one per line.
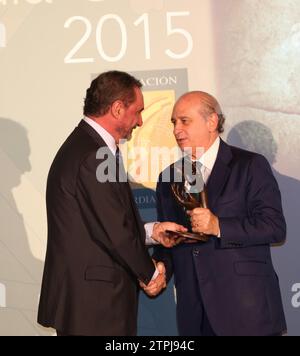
pixel 194 181
pixel 121 175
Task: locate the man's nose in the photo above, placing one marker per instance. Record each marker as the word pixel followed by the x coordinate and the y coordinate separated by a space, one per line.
pixel 140 122
pixel 177 129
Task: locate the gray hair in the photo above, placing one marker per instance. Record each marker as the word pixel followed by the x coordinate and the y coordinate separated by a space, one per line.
pixel 211 106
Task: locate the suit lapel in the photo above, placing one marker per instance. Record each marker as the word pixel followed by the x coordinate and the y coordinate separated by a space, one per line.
pixel 219 175
pixel 124 190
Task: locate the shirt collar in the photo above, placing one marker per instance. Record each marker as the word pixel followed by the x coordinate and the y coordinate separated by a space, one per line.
pixel 209 158
pixel 105 135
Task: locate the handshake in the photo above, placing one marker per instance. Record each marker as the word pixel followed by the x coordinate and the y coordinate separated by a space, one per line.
pixel 158 284
pixel 160 234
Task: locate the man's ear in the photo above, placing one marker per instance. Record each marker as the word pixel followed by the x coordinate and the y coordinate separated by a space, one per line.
pixel 213 122
pixel 117 109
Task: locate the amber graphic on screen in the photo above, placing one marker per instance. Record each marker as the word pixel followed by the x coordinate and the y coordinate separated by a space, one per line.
pixel 157 131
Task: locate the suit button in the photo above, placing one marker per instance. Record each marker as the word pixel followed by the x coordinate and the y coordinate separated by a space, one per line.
pixel 196 252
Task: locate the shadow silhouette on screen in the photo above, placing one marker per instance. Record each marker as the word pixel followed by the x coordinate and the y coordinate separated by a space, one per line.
pixel 20 271
pixel 256 137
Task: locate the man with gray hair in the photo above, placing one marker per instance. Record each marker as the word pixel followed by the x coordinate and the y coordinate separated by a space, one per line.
pixel 226 286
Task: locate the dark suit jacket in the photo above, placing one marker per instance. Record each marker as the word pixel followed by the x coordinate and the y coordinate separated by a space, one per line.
pixel 96 246
pixel 234 274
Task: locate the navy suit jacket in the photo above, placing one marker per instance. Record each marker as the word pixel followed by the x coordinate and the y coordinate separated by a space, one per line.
pixel 234 275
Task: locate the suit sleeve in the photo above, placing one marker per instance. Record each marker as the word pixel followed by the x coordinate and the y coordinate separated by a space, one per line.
pixel 108 222
pixel 265 223
pixel 161 253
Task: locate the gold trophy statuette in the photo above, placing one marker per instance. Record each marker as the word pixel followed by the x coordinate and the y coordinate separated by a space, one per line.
pixel 190 200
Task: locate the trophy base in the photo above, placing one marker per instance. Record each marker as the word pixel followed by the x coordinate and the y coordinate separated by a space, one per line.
pixel 188 235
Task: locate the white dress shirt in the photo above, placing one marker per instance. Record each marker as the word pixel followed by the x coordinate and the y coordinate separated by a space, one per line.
pixel 208 160
pixel 105 135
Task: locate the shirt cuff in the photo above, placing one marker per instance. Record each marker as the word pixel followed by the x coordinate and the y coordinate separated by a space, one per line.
pixel 155 275
pixel 149 232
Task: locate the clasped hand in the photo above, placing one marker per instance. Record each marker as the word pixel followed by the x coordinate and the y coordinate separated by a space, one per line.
pixel 158 284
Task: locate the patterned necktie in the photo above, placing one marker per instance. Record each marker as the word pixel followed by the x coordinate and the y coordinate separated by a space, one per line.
pixel 195 182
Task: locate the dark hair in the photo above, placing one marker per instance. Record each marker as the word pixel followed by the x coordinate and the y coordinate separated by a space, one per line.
pixel 222 119
pixel 108 88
